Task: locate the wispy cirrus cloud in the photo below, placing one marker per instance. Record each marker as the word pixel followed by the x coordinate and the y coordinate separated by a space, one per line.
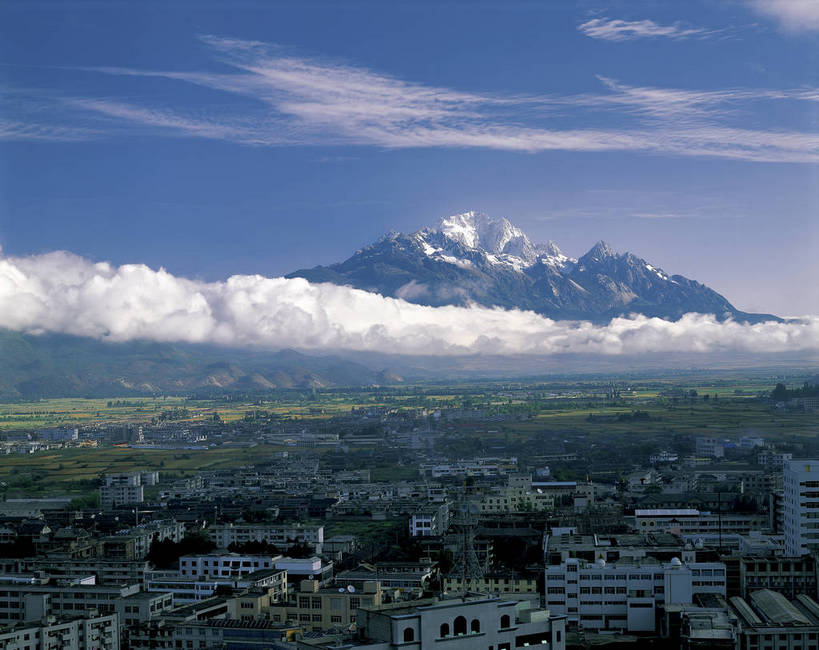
pixel 792 15
pixel 281 99
pixel 43 132
pixel 615 29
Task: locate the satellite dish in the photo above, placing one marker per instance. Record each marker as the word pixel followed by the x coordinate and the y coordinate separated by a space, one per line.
pixel 351 589
pixel 341 590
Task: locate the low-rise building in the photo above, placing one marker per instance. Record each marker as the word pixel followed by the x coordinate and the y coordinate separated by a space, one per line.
pixel 224 565
pixel 280 535
pixel 461 623
pixel 429 520
pixel 318 609
pixel 81 632
pixel 187 589
pixel 788 575
pixel 770 621
pixel 625 596
pixel 690 521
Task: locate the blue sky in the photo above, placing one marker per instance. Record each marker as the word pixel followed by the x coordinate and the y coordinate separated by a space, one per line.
pixel 260 137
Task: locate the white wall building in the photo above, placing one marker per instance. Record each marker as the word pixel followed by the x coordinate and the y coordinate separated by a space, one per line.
pixel 429 520
pixel 690 521
pixel 223 565
pixel 624 596
pixel 801 506
pixel 282 536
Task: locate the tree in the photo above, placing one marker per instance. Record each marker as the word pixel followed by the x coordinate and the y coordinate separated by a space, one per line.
pixel 165 553
pixel 299 550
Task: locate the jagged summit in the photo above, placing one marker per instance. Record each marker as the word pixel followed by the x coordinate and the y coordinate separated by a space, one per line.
pixel 600 251
pixel 497 240
pixel 472 258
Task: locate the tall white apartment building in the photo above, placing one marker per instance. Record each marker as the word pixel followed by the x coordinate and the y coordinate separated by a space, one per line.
pixel 126 488
pixel 801 506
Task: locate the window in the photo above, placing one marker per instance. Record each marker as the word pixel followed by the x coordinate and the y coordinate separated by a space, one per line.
pixel 505 621
pixel 444 629
pixel 475 626
pixel 409 634
pixel 459 627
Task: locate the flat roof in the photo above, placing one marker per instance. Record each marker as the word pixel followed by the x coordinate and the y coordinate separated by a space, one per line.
pixel 667 512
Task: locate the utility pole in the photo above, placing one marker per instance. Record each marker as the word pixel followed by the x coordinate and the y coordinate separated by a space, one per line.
pixel 719 517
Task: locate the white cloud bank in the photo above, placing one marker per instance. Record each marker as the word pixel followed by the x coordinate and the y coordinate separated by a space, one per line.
pixel 61 292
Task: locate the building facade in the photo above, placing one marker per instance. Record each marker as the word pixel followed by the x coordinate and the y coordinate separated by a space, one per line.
pixel 801 506
pixel 625 596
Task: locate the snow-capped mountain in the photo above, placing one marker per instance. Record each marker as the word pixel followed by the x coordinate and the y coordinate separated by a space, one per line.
pixel 494 241
pixel 471 258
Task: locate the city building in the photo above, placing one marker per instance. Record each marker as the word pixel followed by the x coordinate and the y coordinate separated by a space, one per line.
pixel 224 565
pixel 801 506
pixel 322 609
pixel 706 447
pixel 187 589
pixel 463 623
pixel 691 521
pixel 625 596
pixel 770 621
pixel 429 520
pixel 88 631
pixel 788 575
pixel 126 488
pixel 280 535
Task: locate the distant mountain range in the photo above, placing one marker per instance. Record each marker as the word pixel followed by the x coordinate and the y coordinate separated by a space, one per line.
pixel 35 367
pixel 471 258
pixel 467 259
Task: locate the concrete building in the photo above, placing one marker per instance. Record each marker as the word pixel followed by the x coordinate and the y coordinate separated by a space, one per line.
pixel 706 447
pixel 106 572
pixel 224 565
pixel 508 585
pixel 126 488
pixel 429 520
pixel 773 460
pixel 625 596
pixel 317 609
pixel 457 624
pixel 801 506
pixel 789 576
pixel 280 535
pixel 690 521
pixel 58 434
pixel 769 621
pixel 33 597
pixel 80 632
pixel 413 577
pixel 187 589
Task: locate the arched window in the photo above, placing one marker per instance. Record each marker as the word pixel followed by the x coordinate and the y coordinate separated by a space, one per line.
pixel 444 629
pixel 409 634
pixel 505 621
pixel 460 626
pixel 475 626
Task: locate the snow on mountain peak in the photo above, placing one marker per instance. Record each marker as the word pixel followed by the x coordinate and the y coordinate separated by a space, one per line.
pixel 477 230
pixel 497 240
